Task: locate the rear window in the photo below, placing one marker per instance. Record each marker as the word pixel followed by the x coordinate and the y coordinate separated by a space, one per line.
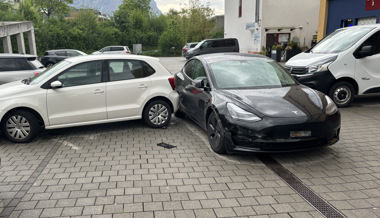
pixel 15 64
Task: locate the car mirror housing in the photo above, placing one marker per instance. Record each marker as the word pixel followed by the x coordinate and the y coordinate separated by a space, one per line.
pixel 56 84
pixel 366 51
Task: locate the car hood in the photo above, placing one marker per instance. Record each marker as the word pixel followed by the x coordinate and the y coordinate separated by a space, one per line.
pixel 308 59
pixel 13 89
pixel 292 101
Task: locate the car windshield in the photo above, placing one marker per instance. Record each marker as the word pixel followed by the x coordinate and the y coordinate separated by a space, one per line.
pixel 245 74
pixel 45 74
pixel 340 40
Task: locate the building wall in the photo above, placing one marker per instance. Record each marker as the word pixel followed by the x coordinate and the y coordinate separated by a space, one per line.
pixel 339 10
pixel 276 17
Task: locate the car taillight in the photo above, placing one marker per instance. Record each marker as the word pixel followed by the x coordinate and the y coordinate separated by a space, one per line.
pixel 172 82
pixel 127 52
pixel 36 73
pixel 185 49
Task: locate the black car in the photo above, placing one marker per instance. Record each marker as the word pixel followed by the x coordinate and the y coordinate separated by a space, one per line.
pixel 249 103
pixel 52 57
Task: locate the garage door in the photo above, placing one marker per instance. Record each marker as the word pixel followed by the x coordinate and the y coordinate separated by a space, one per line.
pixel 367 20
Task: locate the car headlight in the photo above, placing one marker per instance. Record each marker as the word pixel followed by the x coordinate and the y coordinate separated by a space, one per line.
pixel 241 114
pixel 331 108
pixel 319 68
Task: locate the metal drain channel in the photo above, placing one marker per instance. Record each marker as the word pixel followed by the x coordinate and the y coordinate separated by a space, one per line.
pixel 314 200
pixel 29 183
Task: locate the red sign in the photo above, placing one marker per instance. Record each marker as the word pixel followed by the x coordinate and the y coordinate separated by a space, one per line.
pixel 372 5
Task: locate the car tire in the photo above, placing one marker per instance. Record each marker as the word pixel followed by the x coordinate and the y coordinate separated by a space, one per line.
pixel 215 133
pixel 157 114
pixel 20 126
pixel 179 114
pixel 342 93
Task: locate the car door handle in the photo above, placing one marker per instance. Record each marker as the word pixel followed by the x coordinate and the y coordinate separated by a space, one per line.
pixel 143 86
pixel 98 91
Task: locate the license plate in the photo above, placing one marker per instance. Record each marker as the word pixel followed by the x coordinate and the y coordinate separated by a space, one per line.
pixel 297 134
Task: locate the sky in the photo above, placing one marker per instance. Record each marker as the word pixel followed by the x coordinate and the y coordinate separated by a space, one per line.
pixel 165 5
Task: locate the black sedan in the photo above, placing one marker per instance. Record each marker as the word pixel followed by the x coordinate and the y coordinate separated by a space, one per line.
pixel 249 103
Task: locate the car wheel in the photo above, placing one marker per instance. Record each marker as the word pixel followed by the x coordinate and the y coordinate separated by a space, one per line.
pixel 179 114
pixel 49 65
pixel 215 134
pixel 157 114
pixel 342 93
pixel 20 126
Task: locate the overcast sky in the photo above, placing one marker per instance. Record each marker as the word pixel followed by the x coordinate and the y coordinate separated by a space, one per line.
pixel 165 5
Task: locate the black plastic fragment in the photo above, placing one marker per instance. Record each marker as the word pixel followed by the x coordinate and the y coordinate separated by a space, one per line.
pixel 166 146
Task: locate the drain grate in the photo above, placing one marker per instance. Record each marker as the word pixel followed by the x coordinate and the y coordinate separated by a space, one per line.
pixel 316 201
pixel 166 146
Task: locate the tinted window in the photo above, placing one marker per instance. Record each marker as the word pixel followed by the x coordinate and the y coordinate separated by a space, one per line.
pixel 106 49
pixel 82 74
pixel 240 74
pixel 72 53
pixel 14 64
pixel 195 70
pixel 189 70
pixel 148 69
pixel 117 49
pixel 125 70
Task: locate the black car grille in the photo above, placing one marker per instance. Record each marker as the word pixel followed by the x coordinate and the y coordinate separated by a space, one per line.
pixel 297 70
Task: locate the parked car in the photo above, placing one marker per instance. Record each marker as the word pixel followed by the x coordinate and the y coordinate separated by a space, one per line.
pixel 18 66
pixel 209 46
pixel 52 57
pixel 187 47
pixel 248 103
pixel 85 90
pixel 114 49
pixel 342 65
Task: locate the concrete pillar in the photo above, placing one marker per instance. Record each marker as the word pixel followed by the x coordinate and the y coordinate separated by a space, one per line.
pixel 7 45
pixel 21 43
pixel 322 25
pixel 32 42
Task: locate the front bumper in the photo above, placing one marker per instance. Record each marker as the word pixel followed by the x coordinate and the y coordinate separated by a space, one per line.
pixel 273 135
pixel 321 81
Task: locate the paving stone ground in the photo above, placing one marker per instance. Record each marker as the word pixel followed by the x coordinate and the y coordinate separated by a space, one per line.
pixel 117 170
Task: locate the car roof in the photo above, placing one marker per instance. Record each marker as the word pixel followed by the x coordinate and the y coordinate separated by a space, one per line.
pixel 110 56
pixel 7 55
pixel 362 26
pixel 220 57
pixel 62 50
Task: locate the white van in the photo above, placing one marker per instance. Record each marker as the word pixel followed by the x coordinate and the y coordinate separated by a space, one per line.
pixel 344 64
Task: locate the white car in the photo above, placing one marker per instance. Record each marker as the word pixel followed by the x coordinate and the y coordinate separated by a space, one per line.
pixel 88 90
pixel 113 49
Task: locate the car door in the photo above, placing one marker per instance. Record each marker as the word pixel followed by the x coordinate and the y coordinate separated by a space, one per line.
pixel 127 89
pixel 367 68
pixel 195 99
pixel 81 97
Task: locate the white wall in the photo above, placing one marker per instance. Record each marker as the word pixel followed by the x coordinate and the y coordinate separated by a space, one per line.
pixel 274 14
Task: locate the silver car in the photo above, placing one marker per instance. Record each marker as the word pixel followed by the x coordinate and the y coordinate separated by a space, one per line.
pixel 18 66
pixel 114 49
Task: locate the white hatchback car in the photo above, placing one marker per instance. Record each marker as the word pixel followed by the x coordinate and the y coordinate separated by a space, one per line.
pixel 88 90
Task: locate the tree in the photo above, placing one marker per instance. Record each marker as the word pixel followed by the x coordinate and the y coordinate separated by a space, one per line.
pixel 171 37
pixel 50 7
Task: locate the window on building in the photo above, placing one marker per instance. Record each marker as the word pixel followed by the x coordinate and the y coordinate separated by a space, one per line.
pixel 240 7
pixel 346 23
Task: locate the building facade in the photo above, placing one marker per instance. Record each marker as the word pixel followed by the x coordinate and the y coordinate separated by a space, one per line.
pixel 335 14
pixel 258 23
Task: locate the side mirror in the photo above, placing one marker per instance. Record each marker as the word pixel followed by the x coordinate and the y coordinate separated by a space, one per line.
pixel 366 51
pixel 201 83
pixel 56 84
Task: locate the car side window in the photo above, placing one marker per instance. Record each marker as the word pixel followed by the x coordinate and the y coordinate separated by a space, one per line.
pixel 117 49
pixel 195 70
pixel 72 53
pixel 14 64
pixel 61 53
pixel 82 74
pixel 125 70
pixel 106 49
pixel 374 41
pixel 148 69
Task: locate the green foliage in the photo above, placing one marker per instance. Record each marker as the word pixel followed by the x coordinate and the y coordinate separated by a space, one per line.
pixel 171 38
pixel 53 7
pixel 277 47
pixel 263 51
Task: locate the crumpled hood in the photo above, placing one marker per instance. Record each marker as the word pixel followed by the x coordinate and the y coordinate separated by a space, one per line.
pixel 293 101
pixel 308 59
